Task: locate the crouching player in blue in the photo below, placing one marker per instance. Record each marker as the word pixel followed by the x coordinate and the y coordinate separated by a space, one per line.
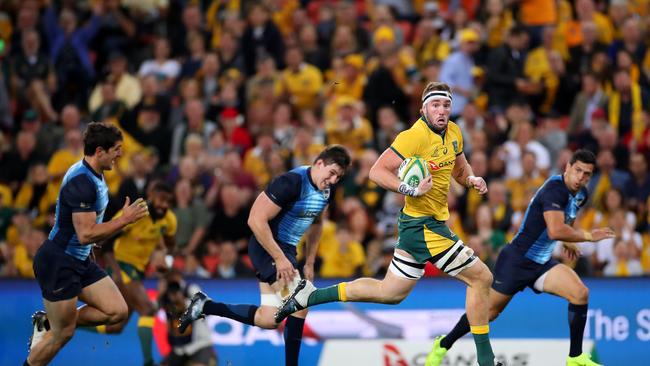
pixel 290 206
pixel 527 261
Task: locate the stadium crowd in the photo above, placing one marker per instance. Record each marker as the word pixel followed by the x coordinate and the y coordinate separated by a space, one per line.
pixel 217 97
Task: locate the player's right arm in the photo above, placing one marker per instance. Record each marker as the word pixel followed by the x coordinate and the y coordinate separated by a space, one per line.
pixel 80 195
pixel 89 232
pixel 282 190
pixel 558 230
pixel 554 200
pixel 384 169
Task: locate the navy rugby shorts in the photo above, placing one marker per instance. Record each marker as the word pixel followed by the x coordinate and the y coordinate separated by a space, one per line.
pixel 513 272
pixel 264 264
pixel 62 276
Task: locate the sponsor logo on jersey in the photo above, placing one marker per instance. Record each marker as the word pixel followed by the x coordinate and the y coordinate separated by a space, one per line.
pixel 309 213
pixel 433 166
pixel 446 163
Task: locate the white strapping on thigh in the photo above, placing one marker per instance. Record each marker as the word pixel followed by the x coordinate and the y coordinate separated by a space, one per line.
pixel 406 267
pixel 457 258
pixel 539 282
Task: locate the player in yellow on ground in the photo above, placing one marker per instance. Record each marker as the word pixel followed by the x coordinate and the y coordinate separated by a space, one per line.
pixel 130 255
pixel 423 234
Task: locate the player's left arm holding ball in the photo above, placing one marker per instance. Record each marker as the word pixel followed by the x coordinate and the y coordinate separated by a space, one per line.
pixel 464 175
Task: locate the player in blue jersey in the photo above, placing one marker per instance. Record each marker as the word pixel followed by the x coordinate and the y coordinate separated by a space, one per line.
pixel 527 261
pixel 62 265
pixel 290 206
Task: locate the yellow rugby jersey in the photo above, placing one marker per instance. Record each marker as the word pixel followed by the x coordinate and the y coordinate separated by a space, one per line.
pixel 139 239
pixel 440 153
pixel 303 86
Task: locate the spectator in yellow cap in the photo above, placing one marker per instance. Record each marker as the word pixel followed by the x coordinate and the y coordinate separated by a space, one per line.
pixel 468 35
pixel 384 16
pixel 354 60
pixel 385 46
pixel 351 80
pixel 384 36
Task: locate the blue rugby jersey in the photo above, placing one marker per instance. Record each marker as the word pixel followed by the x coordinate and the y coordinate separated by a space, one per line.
pixel 301 203
pixel 532 239
pixel 82 190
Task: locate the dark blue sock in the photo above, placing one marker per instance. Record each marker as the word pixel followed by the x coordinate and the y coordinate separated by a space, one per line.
pixel 292 339
pixel 241 313
pixel 577 321
pixel 461 328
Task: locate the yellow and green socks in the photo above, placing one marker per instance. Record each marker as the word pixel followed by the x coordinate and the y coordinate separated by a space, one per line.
pixel 484 354
pixel 145 334
pixel 328 294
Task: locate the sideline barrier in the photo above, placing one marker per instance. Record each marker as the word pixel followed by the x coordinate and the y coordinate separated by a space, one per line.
pixel 512 352
pixel 618 325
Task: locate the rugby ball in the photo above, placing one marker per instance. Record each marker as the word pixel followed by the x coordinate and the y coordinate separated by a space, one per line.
pixel 413 170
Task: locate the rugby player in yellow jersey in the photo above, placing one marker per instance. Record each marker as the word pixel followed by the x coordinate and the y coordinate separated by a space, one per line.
pixel 423 235
pixel 129 258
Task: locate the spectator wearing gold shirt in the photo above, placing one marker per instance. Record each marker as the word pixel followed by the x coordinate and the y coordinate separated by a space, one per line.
pixel 342 255
pixel 127 87
pixel 37 193
pixel 256 160
pixel 350 129
pixel 301 82
pixel 25 251
pixel 351 80
pixel 522 188
pixel 63 158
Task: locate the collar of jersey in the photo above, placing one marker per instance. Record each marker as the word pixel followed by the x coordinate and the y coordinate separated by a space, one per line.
pixel 91 169
pixel 441 134
pixel 311 181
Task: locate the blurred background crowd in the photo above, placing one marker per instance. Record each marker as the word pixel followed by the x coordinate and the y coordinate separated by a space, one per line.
pixel 216 97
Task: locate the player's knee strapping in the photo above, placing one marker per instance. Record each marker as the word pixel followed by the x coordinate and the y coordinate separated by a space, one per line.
pixel 457 258
pixel 272 300
pixel 145 335
pixel 275 299
pixel 406 267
